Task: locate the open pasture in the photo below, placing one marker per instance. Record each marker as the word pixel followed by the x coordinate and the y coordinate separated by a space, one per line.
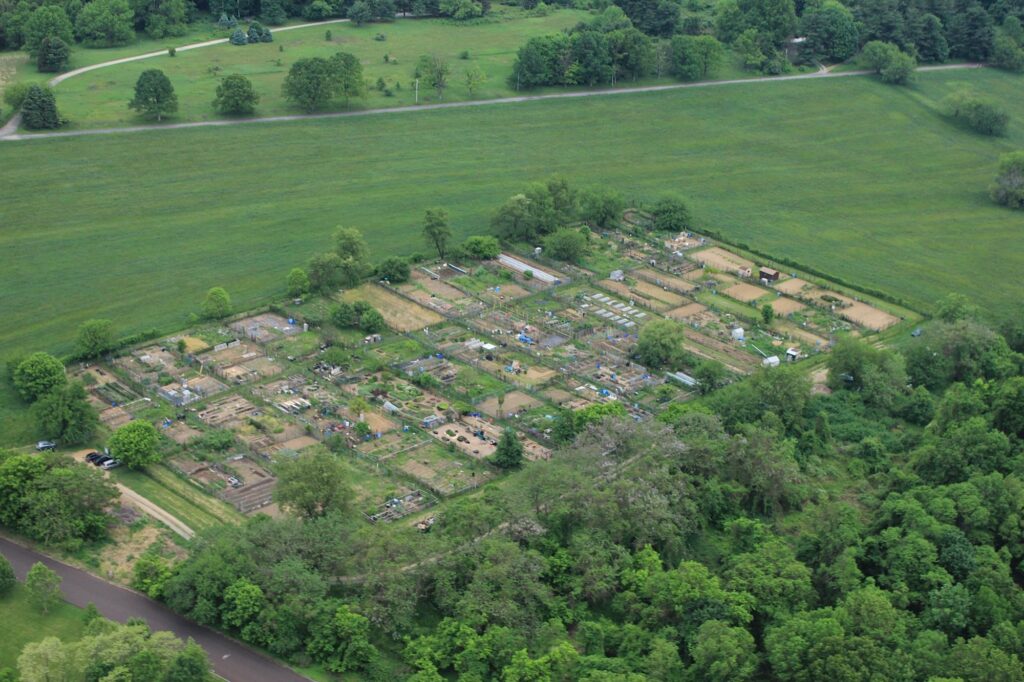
pixel 186 210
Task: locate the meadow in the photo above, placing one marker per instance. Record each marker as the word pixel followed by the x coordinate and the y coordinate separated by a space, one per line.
pixel 864 181
pixel 99 99
pixel 23 623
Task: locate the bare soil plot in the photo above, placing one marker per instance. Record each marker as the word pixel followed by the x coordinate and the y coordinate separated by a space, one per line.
pixel 719 258
pixel 664 279
pixel 113 417
pixel 785 306
pixel 515 402
pixel 792 286
pixel 795 331
pixel 400 314
pixel 181 433
pixel 687 311
pixel 745 292
pixel 655 291
pixel 299 443
pixel 194 345
pixel 869 316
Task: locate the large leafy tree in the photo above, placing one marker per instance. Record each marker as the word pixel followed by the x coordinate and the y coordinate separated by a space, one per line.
pixel 48 21
pixel 235 96
pixel 217 304
pixel 43 586
pixel 37 375
pixel 65 414
pixel 105 23
pixel 135 444
pixel 313 484
pixel 95 337
pixel 154 95
pixel 53 55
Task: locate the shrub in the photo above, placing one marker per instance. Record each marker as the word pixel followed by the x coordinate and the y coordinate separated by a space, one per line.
pixel 977 113
pixel 1008 189
pixel 889 62
pixel 238 37
pixel 16 94
pixel 53 55
pixel 172 52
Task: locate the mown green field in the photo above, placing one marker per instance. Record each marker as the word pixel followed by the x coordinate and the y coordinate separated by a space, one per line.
pixel 846 175
pixel 22 623
pixel 99 99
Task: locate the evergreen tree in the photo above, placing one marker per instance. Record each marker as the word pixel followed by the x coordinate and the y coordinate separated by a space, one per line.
pixel 509 453
pixel 39 110
pixel 53 55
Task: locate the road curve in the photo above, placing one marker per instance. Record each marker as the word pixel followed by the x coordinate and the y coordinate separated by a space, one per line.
pixel 8 134
pixel 230 659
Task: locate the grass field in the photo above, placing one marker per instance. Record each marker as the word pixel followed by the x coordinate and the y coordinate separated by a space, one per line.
pixel 190 505
pixel 22 624
pixel 99 99
pixel 847 175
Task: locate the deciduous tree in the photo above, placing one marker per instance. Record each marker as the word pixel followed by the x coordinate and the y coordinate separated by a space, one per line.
pixel 43 587
pixel 235 96
pixel 37 375
pixel 154 95
pixel 135 444
pixel 436 230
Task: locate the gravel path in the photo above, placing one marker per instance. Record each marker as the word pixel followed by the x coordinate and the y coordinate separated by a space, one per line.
pixel 9 131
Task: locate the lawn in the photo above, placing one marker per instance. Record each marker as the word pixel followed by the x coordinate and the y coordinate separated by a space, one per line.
pixel 99 99
pixel 22 624
pixel 176 496
pixel 847 175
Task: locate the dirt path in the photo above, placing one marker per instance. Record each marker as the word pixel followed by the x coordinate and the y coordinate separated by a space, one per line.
pixel 9 131
pixel 138 500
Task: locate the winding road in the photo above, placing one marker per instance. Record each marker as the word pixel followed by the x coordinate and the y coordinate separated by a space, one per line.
pixel 230 659
pixel 10 133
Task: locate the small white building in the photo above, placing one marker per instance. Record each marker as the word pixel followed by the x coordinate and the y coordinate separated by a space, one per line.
pixel 771 361
pixel 792 354
pixel 738 334
pixel 617 276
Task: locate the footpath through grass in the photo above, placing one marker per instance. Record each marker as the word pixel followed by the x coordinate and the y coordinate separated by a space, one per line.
pixel 193 507
pixel 855 178
pixel 99 99
pixel 22 623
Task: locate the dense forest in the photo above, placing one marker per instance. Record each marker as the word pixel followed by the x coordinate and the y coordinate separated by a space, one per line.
pixel 867 529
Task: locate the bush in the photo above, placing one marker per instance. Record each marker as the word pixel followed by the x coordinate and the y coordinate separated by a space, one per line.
pixel 16 94
pixel 394 269
pixel 238 37
pixel 53 55
pixel 1006 54
pixel 217 304
pixel 889 62
pixel 482 248
pixel 977 113
pixel 135 444
pixel 1008 189
pixel 172 52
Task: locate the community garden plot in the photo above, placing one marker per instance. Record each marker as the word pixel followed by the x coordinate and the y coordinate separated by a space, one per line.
pixel 686 312
pixel 440 296
pixel 399 313
pixel 227 411
pixel 565 399
pixel 440 470
pixel 614 312
pixel 265 327
pixel 745 292
pixel 665 280
pixel 514 403
pixel 786 306
pixel 858 312
pixel 792 286
pixel 726 261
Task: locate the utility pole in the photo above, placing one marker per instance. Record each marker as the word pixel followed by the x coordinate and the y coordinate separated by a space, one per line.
pixel 417 85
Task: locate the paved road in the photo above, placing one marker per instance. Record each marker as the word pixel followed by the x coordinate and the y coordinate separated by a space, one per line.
pixel 232 660
pixel 8 133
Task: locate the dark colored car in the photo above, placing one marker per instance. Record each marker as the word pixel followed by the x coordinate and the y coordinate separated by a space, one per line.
pixel 92 457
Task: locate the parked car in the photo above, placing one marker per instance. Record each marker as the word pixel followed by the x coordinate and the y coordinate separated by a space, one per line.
pixel 235 483
pixel 101 460
pixel 92 457
pixel 45 445
pixel 111 464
